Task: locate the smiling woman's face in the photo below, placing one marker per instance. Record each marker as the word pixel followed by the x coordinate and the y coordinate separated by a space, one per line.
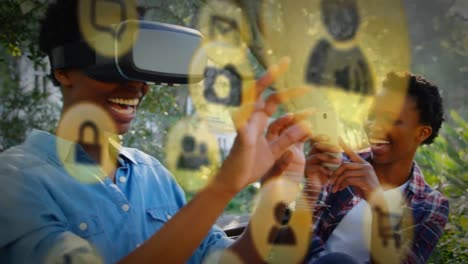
pixel 119 100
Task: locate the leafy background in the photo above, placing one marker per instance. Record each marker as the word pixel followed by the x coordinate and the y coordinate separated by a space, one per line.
pixel 439 48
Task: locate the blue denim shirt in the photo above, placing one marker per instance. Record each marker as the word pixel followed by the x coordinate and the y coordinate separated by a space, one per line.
pixel 46 214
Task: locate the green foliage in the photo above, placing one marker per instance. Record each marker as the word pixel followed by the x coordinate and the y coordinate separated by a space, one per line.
pixel 445 161
pixel 453 246
pixel 158 112
pixel 22 107
pixel 444 164
pixel 243 202
pixel 19 28
pixel 21 110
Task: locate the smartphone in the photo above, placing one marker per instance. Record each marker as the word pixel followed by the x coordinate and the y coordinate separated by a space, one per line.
pixel 325 123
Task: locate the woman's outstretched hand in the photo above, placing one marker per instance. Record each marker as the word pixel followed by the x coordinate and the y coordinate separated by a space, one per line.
pixel 252 154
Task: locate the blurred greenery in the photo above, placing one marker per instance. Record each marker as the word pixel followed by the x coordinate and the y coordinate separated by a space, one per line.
pixel 445 167
pixel 439 51
pixel 24 96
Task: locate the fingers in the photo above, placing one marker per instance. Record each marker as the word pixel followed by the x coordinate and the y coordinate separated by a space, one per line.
pixel 241 116
pixel 284 162
pixel 275 128
pixel 275 99
pixel 350 178
pixel 280 124
pixel 314 171
pixel 316 177
pixel 290 136
pixel 279 167
pixel 304 114
pixel 344 168
pixel 271 75
pixel 319 147
pixel 353 156
pixel 364 171
pixel 319 158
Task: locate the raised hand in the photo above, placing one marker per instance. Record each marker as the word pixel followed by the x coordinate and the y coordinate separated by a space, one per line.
pixel 315 172
pixel 293 160
pixel 252 155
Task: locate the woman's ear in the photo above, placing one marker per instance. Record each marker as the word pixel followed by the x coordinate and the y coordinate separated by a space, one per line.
pixel 62 77
pixel 424 133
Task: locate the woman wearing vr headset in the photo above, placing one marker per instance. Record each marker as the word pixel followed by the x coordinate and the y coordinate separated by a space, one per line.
pixel 48 217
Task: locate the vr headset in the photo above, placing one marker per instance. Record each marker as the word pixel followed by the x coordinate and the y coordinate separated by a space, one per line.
pixel 161 54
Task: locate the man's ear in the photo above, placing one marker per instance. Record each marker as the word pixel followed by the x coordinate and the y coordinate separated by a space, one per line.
pixel 62 77
pixel 424 133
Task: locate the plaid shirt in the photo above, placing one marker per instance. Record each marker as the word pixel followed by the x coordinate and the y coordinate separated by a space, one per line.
pixel 430 211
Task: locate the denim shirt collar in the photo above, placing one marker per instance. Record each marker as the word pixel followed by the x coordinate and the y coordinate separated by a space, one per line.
pixel 46 143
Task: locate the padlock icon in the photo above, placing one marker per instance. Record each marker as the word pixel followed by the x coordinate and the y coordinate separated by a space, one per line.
pixel 94 146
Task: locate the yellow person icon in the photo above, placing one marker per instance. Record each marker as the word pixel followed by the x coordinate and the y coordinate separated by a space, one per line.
pixel 342 50
pixel 281 222
pixel 388 227
pixel 225 22
pixel 282 234
pixel 101 25
pixel 224 26
pixel 343 68
pixel 192 153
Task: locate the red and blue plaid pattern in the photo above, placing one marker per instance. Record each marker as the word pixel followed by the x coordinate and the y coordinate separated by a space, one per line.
pixel 429 207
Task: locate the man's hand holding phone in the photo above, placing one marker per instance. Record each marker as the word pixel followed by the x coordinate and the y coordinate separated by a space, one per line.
pixel 321 153
pixel 325 129
pixel 357 173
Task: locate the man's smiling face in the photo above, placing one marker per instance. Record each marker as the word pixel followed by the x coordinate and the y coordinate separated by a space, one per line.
pixel 394 135
pixel 120 99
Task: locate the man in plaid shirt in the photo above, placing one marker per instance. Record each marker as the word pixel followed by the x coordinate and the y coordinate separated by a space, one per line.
pixel 387 166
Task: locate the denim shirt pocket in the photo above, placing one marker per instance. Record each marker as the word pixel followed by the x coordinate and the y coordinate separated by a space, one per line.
pixel 158 216
pixel 86 225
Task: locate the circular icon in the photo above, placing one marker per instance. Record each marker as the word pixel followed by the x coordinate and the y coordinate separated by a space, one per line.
pixel 276 239
pixel 224 21
pixel 192 153
pixel 101 27
pixel 228 85
pixel 342 50
pixel 390 237
pixel 88 253
pixel 87 142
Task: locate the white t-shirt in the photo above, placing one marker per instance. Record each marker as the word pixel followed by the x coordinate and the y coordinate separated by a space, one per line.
pixel 352 235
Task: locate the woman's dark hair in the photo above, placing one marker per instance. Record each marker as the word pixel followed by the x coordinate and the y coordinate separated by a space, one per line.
pixel 59 26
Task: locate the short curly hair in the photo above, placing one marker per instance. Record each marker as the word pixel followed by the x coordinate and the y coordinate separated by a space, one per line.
pixel 427 98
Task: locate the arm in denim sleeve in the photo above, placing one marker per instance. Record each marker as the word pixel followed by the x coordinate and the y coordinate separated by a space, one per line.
pixel 215 240
pixel 33 227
